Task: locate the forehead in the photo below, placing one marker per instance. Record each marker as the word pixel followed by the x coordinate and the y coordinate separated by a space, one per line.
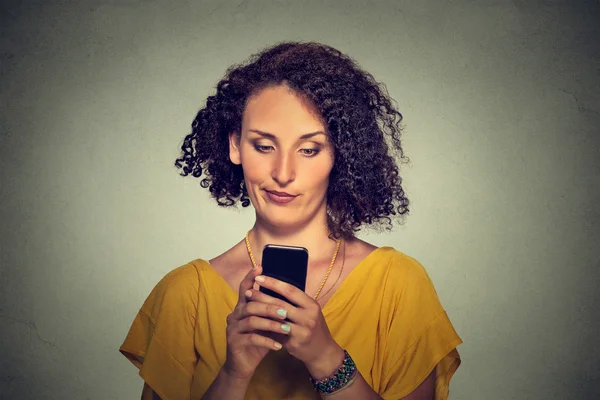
pixel 279 110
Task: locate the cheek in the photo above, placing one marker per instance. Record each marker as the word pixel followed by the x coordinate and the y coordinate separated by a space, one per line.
pixel 254 166
pixel 319 174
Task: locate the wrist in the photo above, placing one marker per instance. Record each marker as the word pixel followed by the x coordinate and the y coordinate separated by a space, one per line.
pixel 341 379
pixel 232 380
pixel 327 363
pixel 227 386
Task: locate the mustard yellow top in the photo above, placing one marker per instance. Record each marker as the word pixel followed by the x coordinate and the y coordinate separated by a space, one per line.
pixel 386 314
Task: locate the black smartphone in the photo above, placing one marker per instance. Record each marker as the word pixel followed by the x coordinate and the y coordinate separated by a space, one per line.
pixel 285 263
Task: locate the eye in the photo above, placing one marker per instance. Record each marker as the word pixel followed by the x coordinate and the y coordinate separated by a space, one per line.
pixel 310 152
pixel 263 149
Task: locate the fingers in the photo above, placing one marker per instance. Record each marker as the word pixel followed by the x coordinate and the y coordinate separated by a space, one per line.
pixel 253 323
pixel 252 316
pixel 257 331
pixel 251 339
pixel 276 310
pixel 247 283
pixel 257 296
pixel 290 292
pixel 244 329
pixel 260 316
pixel 256 339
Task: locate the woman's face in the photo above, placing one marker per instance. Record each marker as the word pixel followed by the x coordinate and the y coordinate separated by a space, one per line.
pixel 286 157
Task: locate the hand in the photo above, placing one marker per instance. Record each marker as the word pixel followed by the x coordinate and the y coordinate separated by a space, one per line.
pixel 248 328
pixel 309 338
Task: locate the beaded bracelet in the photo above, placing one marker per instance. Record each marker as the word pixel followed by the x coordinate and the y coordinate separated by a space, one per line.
pixel 340 378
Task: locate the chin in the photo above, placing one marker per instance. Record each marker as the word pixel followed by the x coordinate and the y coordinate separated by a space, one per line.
pixel 281 221
pixel 288 219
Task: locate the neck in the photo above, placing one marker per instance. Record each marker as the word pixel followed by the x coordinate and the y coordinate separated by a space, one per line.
pixel 315 238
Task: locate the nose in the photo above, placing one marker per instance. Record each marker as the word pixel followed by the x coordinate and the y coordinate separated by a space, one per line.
pixel 283 170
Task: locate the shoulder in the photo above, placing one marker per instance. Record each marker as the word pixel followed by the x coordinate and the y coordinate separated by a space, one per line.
pixel 400 274
pixel 183 275
pixel 186 276
pixel 176 289
pixel 384 261
pixel 360 249
pixel 411 284
pixel 401 265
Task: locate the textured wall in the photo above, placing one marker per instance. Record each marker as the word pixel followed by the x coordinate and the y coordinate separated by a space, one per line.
pixel 502 108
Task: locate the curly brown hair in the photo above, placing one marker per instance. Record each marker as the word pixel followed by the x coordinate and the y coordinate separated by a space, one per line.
pixel 362 123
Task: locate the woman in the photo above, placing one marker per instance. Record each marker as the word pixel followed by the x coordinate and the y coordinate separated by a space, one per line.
pixel 307 137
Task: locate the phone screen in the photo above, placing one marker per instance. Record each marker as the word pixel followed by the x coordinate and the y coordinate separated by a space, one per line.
pixel 285 263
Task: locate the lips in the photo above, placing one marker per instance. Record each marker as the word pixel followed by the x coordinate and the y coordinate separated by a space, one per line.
pixel 280 197
pixel 281 194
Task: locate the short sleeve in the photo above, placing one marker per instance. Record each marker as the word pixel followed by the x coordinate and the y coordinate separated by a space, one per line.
pixel 420 337
pixel 160 342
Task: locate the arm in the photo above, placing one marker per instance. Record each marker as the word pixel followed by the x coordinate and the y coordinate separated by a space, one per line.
pixel 360 389
pixel 226 387
pixel 310 341
pixel 223 387
pixel 425 391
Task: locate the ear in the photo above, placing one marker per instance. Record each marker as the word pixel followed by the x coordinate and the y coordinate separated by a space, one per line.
pixel 234 148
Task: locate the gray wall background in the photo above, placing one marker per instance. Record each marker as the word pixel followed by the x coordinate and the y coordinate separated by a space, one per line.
pixel 502 108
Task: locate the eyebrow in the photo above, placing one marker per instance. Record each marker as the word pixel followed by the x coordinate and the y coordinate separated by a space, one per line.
pixel 271 136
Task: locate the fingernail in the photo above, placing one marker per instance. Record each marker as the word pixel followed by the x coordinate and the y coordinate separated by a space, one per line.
pixel 248 293
pixel 259 279
pixel 277 346
pixel 282 313
pixel 286 328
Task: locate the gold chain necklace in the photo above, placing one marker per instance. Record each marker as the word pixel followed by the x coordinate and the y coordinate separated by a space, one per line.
pixel 341 270
pixel 337 248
